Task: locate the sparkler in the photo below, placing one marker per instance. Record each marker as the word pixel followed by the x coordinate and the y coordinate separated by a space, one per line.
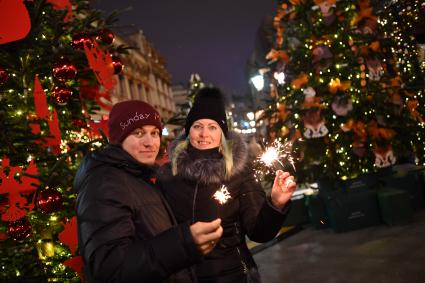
pixel 278 151
pixel 222 195
pixel 273 154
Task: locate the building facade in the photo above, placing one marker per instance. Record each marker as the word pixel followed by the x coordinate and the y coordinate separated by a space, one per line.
pixel 144 76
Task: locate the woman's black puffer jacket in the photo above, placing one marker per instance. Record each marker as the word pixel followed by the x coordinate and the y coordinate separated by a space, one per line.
pixel 249 212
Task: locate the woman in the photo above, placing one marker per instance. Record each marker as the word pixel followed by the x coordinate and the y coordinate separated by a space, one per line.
pixel 204 160
pixel 126 230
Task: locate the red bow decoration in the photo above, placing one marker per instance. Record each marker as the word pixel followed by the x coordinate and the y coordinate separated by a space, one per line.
pixel 365 11
pixel 62 5
pixel 15 22
pixel 380 133
pixel 275 55
pixel 92 92
pixel 69 236
pixel 41 108
pixel 18 204
pixel 76 263
pixel 336 85
pixel 301 80
pixel 96 126
pixel 101 63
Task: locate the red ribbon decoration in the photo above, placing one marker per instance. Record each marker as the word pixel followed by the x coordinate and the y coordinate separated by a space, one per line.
pixel 101 63
pixel 62 5
pixel 18 204
pixel 42 111
pixel 69 237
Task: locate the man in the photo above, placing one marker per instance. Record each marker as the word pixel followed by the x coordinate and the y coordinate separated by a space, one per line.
pixel 126 230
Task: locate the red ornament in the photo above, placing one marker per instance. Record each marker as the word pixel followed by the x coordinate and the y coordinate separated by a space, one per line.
pixel 49 200
pixel 3 75
pixel 106 36
pixel 81 39
pixel 118 65
pixel 62 94
pixel 63 70
pixel 19 230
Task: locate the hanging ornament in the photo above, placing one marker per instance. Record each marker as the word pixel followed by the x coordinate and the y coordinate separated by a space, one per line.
pixel 64 70
pixel 375 69
pixel 3 75
pixel 106 36
pixel 118 65
pixel 314 124
pixel 321 57
pixel 62 94
pixel 328 13
pixel 342 105
pixel 367 26
pixel 384 156
pixel 19 230
pixel 81 39
pixel 49 200
pixel 310 99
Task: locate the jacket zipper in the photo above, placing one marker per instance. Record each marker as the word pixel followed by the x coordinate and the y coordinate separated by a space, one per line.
pixel 193 202
pixel 245 268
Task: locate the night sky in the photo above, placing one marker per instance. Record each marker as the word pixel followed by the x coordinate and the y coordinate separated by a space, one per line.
pixel 211 37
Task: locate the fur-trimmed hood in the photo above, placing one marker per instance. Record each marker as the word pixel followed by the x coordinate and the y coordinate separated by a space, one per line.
pixel 210 171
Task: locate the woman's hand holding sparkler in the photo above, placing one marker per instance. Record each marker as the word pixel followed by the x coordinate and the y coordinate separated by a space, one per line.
pixel 283 188
pixel 206 235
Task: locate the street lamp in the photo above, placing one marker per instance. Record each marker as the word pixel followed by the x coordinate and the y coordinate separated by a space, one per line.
pixel 258 82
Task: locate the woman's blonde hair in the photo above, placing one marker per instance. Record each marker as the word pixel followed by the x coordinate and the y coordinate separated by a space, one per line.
pixel 225 149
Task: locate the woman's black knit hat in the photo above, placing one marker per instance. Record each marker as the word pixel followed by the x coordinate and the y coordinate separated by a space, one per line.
pixel 208 104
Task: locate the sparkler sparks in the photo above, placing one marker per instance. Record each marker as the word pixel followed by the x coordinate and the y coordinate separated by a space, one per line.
pixel 277 151
pixel 222 195
pixel 269 156
pixel 273 154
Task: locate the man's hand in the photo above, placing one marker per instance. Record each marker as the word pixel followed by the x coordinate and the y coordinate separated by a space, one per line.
pixel 206 235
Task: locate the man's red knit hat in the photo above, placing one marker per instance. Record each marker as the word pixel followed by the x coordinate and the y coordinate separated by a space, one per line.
pixel 126 116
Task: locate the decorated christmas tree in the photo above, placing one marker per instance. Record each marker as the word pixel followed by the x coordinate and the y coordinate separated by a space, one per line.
pixel 352 100
pixel 56 72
